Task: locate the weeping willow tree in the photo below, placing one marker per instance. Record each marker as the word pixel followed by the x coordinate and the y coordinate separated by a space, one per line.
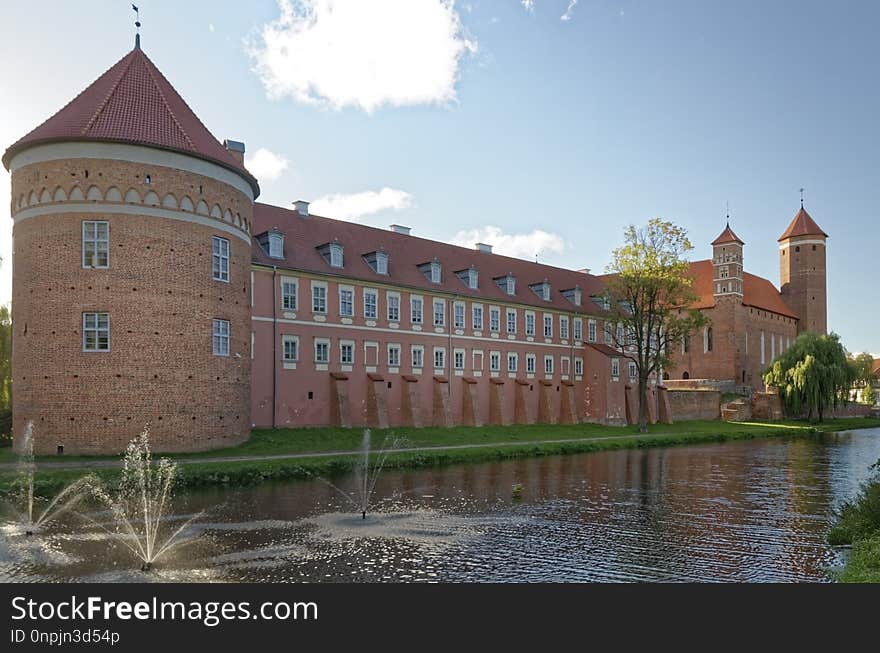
pixel 813 376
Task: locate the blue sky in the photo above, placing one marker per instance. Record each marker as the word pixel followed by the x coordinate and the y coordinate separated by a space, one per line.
pixel 501 114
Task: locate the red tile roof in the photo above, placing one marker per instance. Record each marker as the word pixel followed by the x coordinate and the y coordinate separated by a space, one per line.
pixel 132 103
pixel 802 225
pixel 876 367
pixel 727 236
pixel 605 349
pixel 757 291
pixel 304 234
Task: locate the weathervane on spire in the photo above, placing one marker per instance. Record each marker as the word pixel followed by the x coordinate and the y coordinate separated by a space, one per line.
pixel 727 208
pixel 802 198
pixel 137 24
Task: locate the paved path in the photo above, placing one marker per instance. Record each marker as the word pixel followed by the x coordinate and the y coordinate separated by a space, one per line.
pixel 110 464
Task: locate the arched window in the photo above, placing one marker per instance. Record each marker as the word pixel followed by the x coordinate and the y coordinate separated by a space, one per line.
pixel 709 339
pixel 685 376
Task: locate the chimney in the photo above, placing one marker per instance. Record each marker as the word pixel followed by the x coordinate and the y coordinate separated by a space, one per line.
pixel 302 207
pixel 236 149
pixel 584 270
pixel 484 248
pixel 400 229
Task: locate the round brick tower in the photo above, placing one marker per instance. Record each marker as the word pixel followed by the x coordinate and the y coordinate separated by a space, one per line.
pixel 131 282
pixel 802 272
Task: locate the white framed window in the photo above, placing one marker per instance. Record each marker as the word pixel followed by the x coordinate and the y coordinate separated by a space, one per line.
pixel 511 321
pixel 439 312
pixel 494 361
pixel 381 263
pixel 322 350
pixel 548 365
pixel 346 352
pixel 276 245
pixel 439 358
pixel 494 319
pixel 548 326
pixel 290 348
pixel 620 336
pixel 591 331
pixel 530 323
pixel 371 303
pixel 221 337
pixel 219 257
pixel 418 355
pixel 336 257
pixel 633 370
pixel 346 301
pixel 458 315
pixel 512 360
pixel 578 329
pixel 458 359
pixel 96 332
pixel 615 367
pixel 289 292
pixel 96 245
pixel 393 300
pixel 436 269
pixel 319 297
pixel 609 334
pixel 393 355
pixel 563 327
pixel 530 363
pixel 477 317
pixel 415 310
pixel 579 366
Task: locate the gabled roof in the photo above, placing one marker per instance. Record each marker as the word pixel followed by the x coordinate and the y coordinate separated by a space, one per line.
pixel 727 236
pixel 132 103
pixel 802 225
pixel 757 291
pixel 304 233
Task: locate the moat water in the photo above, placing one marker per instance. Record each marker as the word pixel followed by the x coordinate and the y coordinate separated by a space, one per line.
pixel 740 511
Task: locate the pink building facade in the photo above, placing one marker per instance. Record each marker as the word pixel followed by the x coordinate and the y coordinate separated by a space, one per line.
pixel 358 326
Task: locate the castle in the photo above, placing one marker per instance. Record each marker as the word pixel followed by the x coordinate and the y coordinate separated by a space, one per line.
pixel 149 287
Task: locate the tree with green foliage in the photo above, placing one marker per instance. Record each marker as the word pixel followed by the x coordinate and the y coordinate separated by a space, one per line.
pixel 814 375
pixel 869 395
pixel 649 294
pixel 863 368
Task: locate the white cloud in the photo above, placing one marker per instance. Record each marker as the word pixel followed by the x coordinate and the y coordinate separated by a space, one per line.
pixel 355 206
pixel 211 27
pixel 351 53
pixel 569 11
pixel 528 4
pixel 265 165
pixel 528 245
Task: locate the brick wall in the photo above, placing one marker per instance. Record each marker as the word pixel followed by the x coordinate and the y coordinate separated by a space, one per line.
pixel 687 405
pixel 160 370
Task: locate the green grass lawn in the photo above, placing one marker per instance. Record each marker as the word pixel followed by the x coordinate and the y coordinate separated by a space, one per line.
pixel 308 440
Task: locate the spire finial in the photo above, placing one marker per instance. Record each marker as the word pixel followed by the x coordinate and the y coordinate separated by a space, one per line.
pixel 802 198
pixel 137 24
pixel 727 207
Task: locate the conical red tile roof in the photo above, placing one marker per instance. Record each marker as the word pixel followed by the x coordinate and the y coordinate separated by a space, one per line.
pixel 727 236
pixel 132 103
pixel 802 225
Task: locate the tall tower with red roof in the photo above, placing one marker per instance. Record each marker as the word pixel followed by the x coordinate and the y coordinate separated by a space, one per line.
pixel 802 272
pixel 727 262
pixel 131 272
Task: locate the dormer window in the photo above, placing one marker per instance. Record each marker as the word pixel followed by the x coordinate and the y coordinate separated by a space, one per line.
pixel 378 261
pixel 273 243
pixel 542 290
pixel 573 295
pixel 332 254
pixel 601 301
pixel 432 271
pixel 469 277
pixel 507 283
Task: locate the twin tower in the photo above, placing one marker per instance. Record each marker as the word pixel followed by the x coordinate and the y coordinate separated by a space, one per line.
pixel 802 270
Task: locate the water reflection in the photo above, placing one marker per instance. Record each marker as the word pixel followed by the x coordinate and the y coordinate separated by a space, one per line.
pixel 743 511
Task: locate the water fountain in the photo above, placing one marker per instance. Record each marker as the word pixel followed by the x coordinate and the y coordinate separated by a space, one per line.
pixel 61 503
pixel 366 474
pixel 140 505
